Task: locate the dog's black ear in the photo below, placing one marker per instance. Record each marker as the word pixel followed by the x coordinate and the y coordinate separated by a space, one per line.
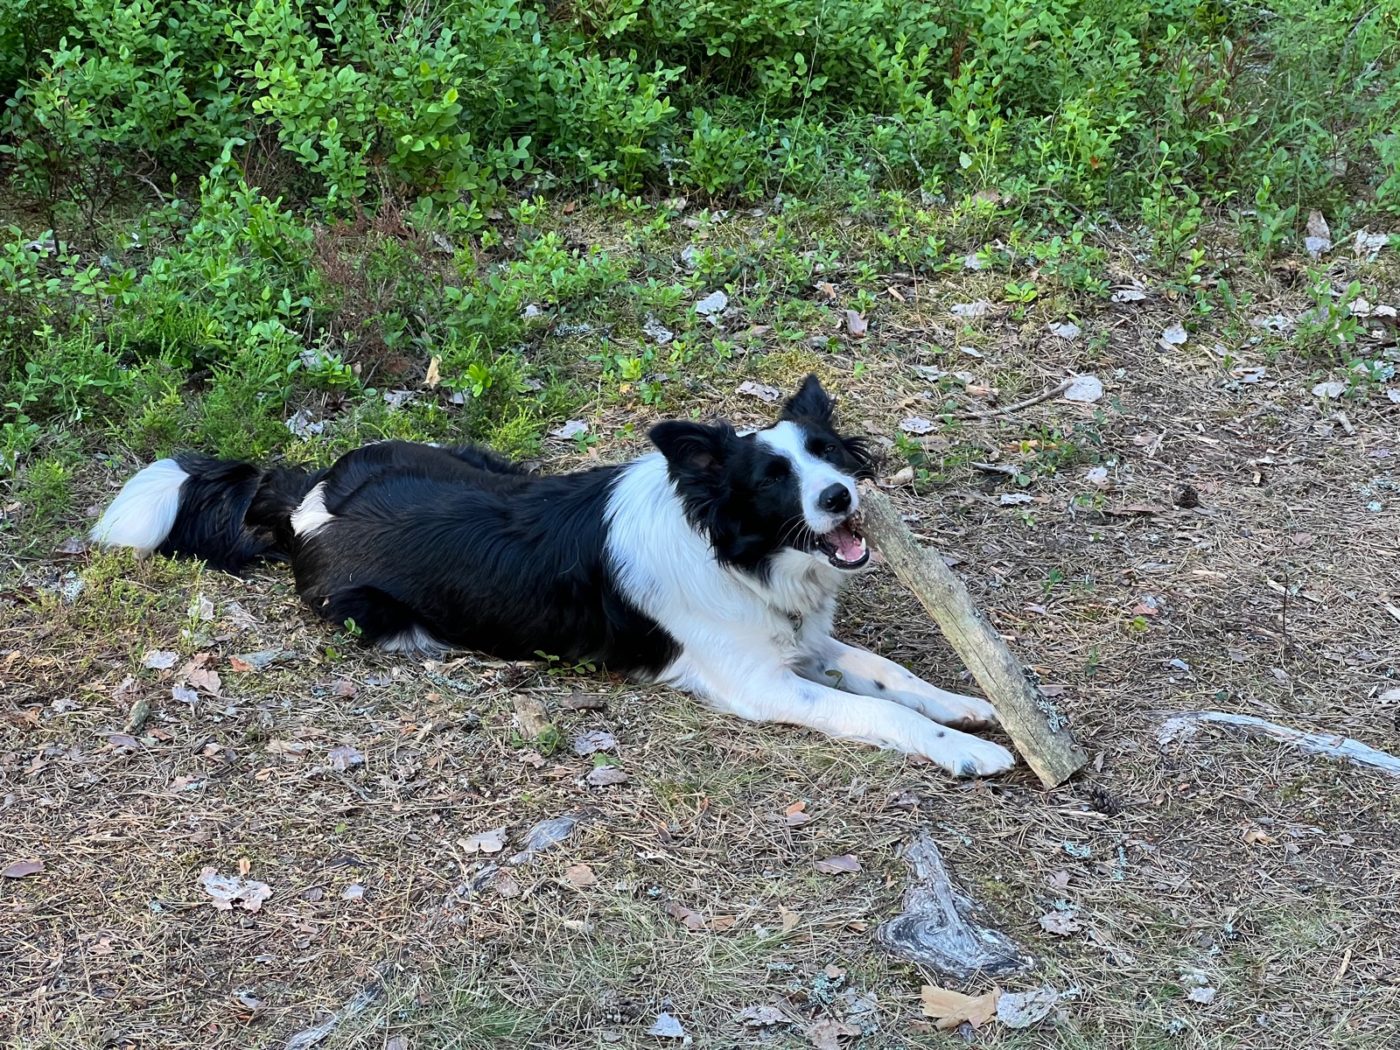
pixel 693 448
pixel 810 402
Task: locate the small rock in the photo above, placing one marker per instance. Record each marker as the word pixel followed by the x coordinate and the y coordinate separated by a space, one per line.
pixel 1085 389
pixel 666 1027
pixel 1319 236
pixel 656 331
pixel 917 425
pixel 712 306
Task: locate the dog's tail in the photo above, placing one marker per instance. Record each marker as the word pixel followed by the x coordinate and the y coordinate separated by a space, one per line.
pixel 222 511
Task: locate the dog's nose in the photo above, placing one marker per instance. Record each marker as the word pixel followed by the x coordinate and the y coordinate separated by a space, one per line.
pixel 835 498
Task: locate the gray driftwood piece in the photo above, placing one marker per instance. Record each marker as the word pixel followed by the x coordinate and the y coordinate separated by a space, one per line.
pixel 939 929
pixel 1036 726
pixel 1329 745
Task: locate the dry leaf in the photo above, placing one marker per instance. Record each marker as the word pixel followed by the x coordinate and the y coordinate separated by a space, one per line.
pixel 969 311
pixel 845 864
pixel 763 392
pixel 434 376
pixel 789 918
pixel 606 776
pixel 1023 1009
pixel 23 868
pixel 1254 836
pixel 1061 923
pixel 687 917
pixel 570 430
pixel 594 740
pixel 856 324
pixel 160 659
pixel 205 680
pixel 353 892
pixel 1172 337
pixel 1066 330
pixel 492 841
pixel 795 815
pixel 1204 995
pixel 827 1034
pixel 228 890
pixel 827 290
pixel 344 757
pixel 900 478
pixel 580 876
pixel 1331 390
pixel 950 1009
pixel 761 1016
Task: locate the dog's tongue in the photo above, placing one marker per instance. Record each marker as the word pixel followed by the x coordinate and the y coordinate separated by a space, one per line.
pixel 848 545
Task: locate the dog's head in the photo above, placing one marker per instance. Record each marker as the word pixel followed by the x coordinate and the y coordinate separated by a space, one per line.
pixel 789 486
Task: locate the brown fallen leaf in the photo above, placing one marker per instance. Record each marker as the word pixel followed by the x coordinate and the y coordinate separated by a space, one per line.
pixel 343 757
pixel 205 680
pixel 22 869
pixel 796 815
pixel 950 1008
pixel 789 918
pixel 845 864
pixel 1061 923
pixel 827 1034
pixel 856 324
pixel 1256 836
pixel 434 376
pixel 687 917
pixel 827 290
pixel 580 876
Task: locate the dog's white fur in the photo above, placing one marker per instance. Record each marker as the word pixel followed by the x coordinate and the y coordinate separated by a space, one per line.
pixel 144 511
pixel 763 650
pixel 311 515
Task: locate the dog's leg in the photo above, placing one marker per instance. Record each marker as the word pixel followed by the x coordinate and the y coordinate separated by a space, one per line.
pixel 771 694
pixel 860 671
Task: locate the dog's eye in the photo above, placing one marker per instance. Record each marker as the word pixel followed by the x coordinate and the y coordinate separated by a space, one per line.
pixel 829 449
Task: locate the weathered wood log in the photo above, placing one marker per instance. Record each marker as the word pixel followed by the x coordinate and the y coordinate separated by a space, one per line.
pixel 1036 726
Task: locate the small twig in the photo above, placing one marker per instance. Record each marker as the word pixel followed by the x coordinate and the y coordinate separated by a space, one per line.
pixel 1044 395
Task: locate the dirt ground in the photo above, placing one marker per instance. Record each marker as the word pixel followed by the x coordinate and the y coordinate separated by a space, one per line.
pixel 1210 535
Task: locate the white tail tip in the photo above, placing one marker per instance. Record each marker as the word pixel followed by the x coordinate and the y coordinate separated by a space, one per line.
pixel 143 513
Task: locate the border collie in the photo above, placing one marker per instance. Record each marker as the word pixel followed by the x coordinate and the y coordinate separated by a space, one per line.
pixel 712 565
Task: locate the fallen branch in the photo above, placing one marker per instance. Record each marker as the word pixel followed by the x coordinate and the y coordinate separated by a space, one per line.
pixel 1183 727
pixel 1016 406
pixel 1037 728
pixel 939 927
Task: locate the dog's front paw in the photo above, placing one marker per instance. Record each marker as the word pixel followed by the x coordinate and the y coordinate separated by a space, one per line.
pixel 963 755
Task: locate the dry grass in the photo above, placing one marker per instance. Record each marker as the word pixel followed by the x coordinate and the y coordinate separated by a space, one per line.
pixel 115 944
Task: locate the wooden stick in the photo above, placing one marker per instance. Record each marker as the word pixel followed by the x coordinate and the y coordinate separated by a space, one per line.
pixel 1329 745
pixel 1037 728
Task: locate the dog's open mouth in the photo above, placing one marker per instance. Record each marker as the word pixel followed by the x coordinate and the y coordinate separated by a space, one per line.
pixel 844 546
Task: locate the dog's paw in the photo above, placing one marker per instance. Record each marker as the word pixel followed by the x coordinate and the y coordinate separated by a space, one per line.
pixel 969 756
pixel 968 712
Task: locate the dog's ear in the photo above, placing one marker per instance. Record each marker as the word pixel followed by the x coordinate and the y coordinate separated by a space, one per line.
pixel 693 448
pixel 810 402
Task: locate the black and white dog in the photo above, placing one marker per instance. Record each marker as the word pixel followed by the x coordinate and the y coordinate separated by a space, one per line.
pixel 711 565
